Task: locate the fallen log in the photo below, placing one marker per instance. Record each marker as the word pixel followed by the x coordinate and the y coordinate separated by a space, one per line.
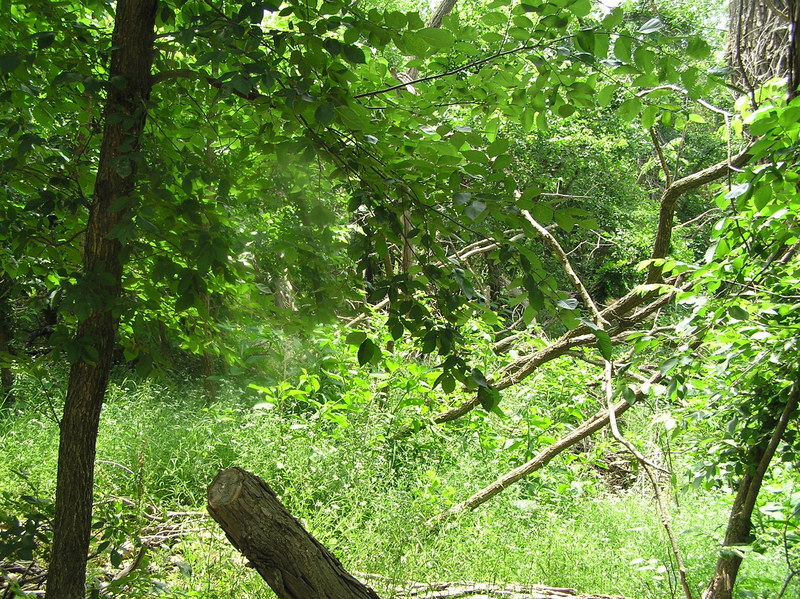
pixel 292 562
pixel 296 566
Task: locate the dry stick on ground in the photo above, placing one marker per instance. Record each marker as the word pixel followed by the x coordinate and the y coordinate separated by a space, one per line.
pixel 650 471
pixel 477 590
pixel 593 424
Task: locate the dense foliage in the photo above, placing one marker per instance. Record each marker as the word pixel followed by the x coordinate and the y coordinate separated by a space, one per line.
pixel 353 223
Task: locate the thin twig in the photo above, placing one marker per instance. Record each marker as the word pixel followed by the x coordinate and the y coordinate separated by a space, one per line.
pixel 649 469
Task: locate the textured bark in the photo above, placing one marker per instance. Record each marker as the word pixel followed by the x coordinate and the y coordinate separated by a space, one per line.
pixel 6 354
pixel 131 60
pixel 669 199
pixel 288 558
pixel 793 10
pixel 758 44
pixel 740 522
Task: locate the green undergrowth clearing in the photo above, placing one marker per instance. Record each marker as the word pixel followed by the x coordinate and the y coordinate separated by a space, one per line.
pixel 364 497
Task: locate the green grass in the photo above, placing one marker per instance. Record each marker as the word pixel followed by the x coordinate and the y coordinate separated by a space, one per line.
pixel 363 497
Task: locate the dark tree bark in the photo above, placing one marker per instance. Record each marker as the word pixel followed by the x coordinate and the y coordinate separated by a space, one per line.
pixel 763 43
pixel 740 521
pixel 294 563
pixel 131 60
pixel 6 354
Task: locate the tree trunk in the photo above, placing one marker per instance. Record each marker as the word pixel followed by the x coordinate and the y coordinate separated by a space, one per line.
pixel 131 59
pixel 6 354
pixel 758 44
pixel 293 563
pixel 740 521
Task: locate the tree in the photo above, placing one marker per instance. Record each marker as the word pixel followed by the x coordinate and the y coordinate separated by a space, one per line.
pixel 264 119
pixel 118 164
pixel 762 43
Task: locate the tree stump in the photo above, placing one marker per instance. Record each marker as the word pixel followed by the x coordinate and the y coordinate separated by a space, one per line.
pixel 294 564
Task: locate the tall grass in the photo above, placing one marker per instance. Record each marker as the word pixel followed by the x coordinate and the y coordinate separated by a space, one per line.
pixel 363 496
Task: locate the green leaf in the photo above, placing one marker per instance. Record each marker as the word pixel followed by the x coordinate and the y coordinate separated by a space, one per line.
pixel 604 344
pixel 567 304
pixel 478 378
pixel 613 18
pixel 649 116
pixel 462 198
pixel 447 382
pixel 45 39
pixel 738 313
pixel 697 48
pixel 497 147
pixel 489 398
pixel 395 328
pixel 354 54
pixel 494 18
pixel 651 26
pixel 356 338
pixel 9 62
pixel 668 365
pixel 606 94
pixel 436 37
pixel 622 48
pixel 629 395
pixel 629 109
pixel 475 209
pixel 324 113
pixel 581 8
pixel 333 46
pixel 367 351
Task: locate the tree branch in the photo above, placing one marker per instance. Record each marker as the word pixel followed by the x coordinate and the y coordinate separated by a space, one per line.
pixel 661 158
pixel 563 259
pixel 469 65
pixel 592 425
pixel 649 469
pixel 669 199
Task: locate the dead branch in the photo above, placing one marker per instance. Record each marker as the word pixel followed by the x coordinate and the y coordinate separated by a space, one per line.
pixel 476 590
pixel 590 426
pixel 551 242
pixel 650 470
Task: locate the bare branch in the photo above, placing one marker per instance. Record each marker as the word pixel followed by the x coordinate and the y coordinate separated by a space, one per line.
pixel 592 425
pixel 563 259
pixel 685 92
pixel 464 67
pixel 649 469
pixel 660 154
pixel 669 199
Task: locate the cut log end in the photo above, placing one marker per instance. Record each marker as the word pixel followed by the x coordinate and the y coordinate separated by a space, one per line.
pixel 225 487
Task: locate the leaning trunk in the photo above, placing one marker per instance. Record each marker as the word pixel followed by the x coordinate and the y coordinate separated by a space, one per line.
pixel 131 59
pixel 6 356
pixel 289 559
pixel 739 529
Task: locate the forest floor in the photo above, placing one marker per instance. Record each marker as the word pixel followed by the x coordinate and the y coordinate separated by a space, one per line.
pixel 363 497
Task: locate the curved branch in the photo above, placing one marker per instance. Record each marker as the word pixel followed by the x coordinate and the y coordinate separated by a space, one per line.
pixel 464 67
pixel 563 259
pixel 669 199
pixel 592 425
